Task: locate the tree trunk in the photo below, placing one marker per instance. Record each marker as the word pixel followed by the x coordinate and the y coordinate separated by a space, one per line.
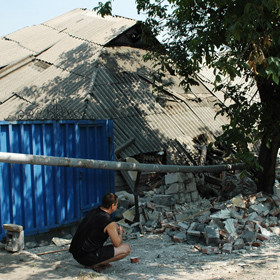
pixel 270 99
pixel 267 159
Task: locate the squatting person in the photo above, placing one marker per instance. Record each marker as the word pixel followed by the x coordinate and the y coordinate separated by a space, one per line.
pixel 87 245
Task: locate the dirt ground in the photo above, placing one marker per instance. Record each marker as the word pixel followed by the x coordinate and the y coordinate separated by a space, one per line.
pixel 159 258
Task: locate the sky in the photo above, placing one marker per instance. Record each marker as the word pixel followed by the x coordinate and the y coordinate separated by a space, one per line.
pixel 16 14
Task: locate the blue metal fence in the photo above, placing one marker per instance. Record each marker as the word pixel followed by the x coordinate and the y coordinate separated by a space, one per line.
pixel 44 197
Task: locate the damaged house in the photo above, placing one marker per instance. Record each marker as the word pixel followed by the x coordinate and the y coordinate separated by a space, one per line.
pixel 79 66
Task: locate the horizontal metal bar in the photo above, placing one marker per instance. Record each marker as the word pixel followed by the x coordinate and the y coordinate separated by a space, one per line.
pixel 112 165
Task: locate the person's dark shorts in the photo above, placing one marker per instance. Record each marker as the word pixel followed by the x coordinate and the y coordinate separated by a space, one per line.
pixel 101 255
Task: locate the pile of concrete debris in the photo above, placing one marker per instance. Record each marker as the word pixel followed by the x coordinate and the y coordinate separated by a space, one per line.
pixel 177 209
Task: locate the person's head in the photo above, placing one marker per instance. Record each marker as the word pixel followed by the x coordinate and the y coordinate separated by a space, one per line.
pixel 110 200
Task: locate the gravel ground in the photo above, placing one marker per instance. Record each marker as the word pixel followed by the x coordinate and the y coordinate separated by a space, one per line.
pixel 159 258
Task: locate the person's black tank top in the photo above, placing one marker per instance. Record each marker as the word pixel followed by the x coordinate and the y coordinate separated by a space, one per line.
pixel 90 235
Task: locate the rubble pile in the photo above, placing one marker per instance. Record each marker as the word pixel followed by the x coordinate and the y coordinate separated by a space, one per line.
pixel 177 209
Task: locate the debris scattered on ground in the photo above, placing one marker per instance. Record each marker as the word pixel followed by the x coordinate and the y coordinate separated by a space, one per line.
pixel 176 209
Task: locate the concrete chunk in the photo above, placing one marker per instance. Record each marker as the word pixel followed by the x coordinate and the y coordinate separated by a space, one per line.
pixel 260 208
pixel 238 244
pixel 14 241
pixel 183 225
pixel 227 248
pixel 249 236
pixel 264 231
pixel 166 200
pixel 222 214
pixel 212 235
pixel 175 188
pixel 12 227
pixel 129 214
pixel 229 226
pixel 275 230
pixel 238 201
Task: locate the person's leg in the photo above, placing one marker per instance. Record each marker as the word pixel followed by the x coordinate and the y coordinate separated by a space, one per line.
pixel 119 253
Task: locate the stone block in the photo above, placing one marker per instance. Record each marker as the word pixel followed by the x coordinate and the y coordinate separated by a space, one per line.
pixel 14 241
pixel 171 178
pixel 191 187
pixel 166 200
pixel 189 177
pixel 193 226
pixel 191 239
pixel 13 227
pixel 238 244
pixel 212 235
pixel 249 236
pixel 195 196
pixel 188 197
pixel 227 248
pixel 182 198
pixel 175 188
pixel 183 225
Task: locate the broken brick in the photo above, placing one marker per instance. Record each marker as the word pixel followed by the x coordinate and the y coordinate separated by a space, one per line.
pixel 173 226
pixel 256 244
pixel 261 237
pixel 210 250
pixel 179 237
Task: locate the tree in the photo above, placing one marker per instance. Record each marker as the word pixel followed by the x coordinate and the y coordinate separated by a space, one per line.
pixel 237 39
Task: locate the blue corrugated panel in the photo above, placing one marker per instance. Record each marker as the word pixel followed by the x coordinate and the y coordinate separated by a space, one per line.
pixel 44 197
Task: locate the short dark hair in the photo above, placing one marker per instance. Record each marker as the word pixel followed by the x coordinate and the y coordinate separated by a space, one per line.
pixel 109 199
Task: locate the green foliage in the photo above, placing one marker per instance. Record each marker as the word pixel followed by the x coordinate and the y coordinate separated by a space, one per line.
pixel 104 8
pixel 236 38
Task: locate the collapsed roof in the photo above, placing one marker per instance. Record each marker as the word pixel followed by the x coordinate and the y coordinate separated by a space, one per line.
pixel 82 66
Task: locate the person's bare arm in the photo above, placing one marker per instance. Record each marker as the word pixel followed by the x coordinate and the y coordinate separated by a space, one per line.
pixel 115 232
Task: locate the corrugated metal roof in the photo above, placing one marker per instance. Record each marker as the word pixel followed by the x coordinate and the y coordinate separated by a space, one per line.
pixel 36 38
pixel 11 52
pixel 73 55
pixel 207 77
pixel 72 76
pixel 87 25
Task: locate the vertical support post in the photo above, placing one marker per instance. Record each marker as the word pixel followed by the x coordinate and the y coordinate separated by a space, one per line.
pixel 136 201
